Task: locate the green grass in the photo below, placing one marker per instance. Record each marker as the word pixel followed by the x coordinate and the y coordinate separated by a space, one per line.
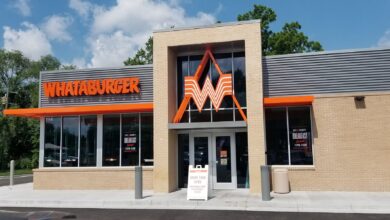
pixel 17 172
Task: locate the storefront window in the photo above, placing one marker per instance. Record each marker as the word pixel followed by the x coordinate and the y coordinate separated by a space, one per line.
pixel 52 142
pixel 147 139
pixel 70 141
pixel 183 158
pixel 242 160
pixel 276 130
pixel 111 140
pixel 300 136
pixel 239 78
pixel 130 139
pixel 288 132
pixel 78 144
pixel 233 63
pixel 88 140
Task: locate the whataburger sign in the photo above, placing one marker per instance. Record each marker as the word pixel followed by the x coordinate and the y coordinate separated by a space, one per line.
pixel 192 89
pixel 92 87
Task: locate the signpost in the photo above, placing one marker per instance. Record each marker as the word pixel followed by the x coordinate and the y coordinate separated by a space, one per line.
pixel 198 182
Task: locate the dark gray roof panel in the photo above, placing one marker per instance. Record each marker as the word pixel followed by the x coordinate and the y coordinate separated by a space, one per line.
pixel 327 72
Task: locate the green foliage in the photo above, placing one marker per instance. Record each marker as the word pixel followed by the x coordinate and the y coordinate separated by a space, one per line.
pixel 289 40
pixel 23 163
pixel 143 55
pixel 19 77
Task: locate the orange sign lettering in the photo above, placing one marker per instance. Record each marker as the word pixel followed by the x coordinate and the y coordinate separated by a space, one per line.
pixel 91 87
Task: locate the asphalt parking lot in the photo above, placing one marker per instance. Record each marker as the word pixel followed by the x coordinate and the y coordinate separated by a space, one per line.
pixel 139 214
pixel 4 180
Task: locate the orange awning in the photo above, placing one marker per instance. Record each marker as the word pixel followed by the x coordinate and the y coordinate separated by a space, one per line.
pixel 79 110
pixel 288 101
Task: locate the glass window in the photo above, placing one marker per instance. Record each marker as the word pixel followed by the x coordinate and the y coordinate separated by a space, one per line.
pixel 239 78
pixel 111 140
pixel 182 71
pixel 242 160
pixel 183 159
pixel 130 139
pixel 300 136
pixel 88 140
pixel 276 130
pixel 147 139
pixel 52 142
pixel 233 63
pixel 70 141
pixel 289 140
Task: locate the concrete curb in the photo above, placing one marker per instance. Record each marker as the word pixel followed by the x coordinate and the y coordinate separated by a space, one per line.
pixel 324 202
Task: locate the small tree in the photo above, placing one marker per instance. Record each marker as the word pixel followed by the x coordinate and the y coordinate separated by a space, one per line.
pixel 289 40
pixel 143 56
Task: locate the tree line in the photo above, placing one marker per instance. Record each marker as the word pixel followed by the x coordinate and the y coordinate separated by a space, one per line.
pixel 19 88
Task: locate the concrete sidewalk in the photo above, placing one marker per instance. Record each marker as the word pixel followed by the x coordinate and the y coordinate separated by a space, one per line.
pixel 336 202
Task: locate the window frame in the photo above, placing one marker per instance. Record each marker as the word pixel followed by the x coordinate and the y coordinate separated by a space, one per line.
pixel 210 109
pixel 139 116
pixel 289 165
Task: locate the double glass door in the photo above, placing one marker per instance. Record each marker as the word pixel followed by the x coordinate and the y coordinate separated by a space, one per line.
pixel 218 150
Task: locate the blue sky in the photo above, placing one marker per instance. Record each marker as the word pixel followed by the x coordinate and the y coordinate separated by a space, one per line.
pixel 104 33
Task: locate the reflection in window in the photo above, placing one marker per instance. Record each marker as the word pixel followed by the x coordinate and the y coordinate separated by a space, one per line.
pixel 70 141
pixel 289 140
pixel 242 160
pixel 130 139
pixel 88 140
pixel 52 142
pixel 239 78
pixel 276 130
pixel 147 139
pixel 111 140
pixel 183 159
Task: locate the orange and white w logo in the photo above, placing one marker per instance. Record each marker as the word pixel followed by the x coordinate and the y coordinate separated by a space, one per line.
pixel 224 88
pixel 192 89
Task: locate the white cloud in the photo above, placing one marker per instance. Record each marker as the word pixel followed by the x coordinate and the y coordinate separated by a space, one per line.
pixel 56 27
pixel 145 16
pixel 111 49
pixel 118 31
pixel 83 8
pixel 79 62
pixel 31 41
pixel 384 41
pixel 23 7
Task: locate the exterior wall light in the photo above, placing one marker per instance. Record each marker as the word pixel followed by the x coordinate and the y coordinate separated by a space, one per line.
pixel 359 98
pixel 359 102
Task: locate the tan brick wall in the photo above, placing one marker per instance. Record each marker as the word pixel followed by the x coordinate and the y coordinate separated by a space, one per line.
pixel 164 79
pixel 89 178
pixel 351 146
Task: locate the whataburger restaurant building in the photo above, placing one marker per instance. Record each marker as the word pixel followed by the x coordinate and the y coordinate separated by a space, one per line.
pixel 210 97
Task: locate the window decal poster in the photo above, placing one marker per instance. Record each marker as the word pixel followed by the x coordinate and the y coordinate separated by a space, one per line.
pixel 130 142
pixel 300 138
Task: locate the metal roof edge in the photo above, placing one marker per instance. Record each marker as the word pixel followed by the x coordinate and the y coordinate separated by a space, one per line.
pixel 327 52
pixel 97 69
pixel 232 23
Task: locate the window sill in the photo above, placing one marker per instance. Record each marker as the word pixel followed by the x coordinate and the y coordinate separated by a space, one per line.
pixel 294 167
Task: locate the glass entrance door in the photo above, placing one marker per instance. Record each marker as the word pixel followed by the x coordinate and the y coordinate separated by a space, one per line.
pixel 200 149
pixel 218 150
pixel 224 161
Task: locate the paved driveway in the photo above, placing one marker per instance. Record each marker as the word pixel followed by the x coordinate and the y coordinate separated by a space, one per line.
pixel 4 180
pixel 139 214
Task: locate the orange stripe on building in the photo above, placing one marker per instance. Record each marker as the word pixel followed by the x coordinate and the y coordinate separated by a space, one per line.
pixel 288 101
pixel 80 110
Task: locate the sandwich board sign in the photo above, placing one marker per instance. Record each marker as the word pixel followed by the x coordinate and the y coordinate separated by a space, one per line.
pixel 198 182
